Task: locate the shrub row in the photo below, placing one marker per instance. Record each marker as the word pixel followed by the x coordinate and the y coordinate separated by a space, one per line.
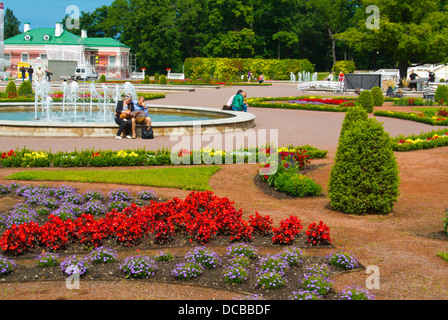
pixel 419 117
pixel 139 157
pixel 229 68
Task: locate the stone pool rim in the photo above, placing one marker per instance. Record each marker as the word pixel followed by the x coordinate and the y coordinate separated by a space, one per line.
pixel 228 121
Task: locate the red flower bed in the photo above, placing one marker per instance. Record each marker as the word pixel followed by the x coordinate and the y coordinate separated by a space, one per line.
pixel 201 215
pixel 318 234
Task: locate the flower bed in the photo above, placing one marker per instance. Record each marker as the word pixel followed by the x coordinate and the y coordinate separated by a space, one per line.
pixel 286 174
pixel 335 104
pixel 201 217
pixel 429 140
pixel 418 117
pixel 288 274
pixel 140 157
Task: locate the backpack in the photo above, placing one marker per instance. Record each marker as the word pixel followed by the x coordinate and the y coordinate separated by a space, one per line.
pixel 147 133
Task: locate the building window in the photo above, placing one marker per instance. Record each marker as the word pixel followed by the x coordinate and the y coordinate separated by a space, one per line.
pixel 25 57
pixel 112 61
pixel 43 56
pixel 7 58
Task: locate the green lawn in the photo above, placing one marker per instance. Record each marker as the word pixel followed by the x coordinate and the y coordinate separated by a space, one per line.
pixel 186 178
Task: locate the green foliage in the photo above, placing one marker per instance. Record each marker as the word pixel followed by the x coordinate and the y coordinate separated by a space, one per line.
pixel 365 100
pixel 364 178
pixel 206 78
pixel 103 78
pixel 226 68
pixel 25 89
pixel 163 79
pixel 146 80
pixel 378 97
pixel 441 94
pixel 11 89
pixel 353 115
pixel 297 185
pixel 156 77
pixel 344 66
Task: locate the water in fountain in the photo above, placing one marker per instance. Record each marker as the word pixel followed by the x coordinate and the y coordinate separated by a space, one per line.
pixel 42 91
pixel 72 106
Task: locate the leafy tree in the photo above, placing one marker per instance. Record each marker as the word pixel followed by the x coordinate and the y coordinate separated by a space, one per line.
pixel 410 31
pixel 12 24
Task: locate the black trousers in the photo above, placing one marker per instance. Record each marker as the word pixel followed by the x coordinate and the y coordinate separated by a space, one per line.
pixel 125 125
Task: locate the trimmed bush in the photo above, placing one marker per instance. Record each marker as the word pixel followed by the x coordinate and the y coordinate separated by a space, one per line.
pixel 163 79
pixel 365 101
pixel 25 89
pixel 353 115
pixel 146 80
pixel 229 68
pixel 11 89
pixel 441 93
pixel 378 97
pixel 344 66
pixel 103 78
pixel 364 178
pixel 156 77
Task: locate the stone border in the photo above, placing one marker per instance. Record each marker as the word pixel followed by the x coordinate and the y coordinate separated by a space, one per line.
pixel 228 121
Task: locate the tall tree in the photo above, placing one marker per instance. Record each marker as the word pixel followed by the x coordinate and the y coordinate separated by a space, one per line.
pixel 12 24
pixel 412 31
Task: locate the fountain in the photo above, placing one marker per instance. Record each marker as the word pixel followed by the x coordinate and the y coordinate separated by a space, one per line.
pixel 16 119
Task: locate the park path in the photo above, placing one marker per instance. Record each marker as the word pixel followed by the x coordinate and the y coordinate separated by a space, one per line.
pixel 402 244
pixel 294 127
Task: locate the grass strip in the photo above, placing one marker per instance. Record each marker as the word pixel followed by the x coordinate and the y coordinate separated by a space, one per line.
pixel 186 178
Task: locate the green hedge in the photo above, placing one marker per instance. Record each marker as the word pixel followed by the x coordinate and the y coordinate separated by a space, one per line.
pixel 421 141
pixel 140 157
pixel 412 117
pixel 228 68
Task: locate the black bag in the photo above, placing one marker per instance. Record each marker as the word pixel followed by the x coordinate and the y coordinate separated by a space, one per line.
pixel 227 107
pixel 147 133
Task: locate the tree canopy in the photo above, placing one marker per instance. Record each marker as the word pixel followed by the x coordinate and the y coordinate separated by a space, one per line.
pixel 163 33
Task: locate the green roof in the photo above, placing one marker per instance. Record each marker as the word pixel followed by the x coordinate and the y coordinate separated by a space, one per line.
pixel 46 36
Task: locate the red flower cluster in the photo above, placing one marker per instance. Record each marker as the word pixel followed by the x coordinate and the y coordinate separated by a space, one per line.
pixel 288 230
pixel 326 100
pixel 261 224
pixel 318 234
pixel 201 215
pixel 96 154
pixel 298 159
pixel 8 154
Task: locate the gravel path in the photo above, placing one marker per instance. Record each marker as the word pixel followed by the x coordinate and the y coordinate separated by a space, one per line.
pixel 294 127
pixel 402 245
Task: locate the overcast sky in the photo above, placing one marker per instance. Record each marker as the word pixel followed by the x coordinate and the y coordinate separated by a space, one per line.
pixel 45 13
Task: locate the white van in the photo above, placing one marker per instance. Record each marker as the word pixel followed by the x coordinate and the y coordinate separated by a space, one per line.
pixel 86 73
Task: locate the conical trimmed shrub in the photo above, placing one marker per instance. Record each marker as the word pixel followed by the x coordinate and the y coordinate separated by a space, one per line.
pixel 364 178
pixel 378 97
pixel 365 101
pixel 351 116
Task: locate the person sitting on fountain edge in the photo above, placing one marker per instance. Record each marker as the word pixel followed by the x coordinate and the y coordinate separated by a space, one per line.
pixel 141 114
pixel 238 103
pixel 123 116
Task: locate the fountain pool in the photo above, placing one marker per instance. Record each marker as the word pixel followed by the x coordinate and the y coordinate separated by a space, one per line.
pixel 77 116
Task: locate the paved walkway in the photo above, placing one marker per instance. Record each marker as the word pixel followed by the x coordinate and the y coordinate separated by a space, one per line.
pixel 294 127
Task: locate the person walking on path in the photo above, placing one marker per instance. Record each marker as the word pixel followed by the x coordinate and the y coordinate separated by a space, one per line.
pixel 40 74
pixel 23 71
pixel 30 73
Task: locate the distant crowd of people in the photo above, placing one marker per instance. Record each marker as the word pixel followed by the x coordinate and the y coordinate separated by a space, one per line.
pixel 40 74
